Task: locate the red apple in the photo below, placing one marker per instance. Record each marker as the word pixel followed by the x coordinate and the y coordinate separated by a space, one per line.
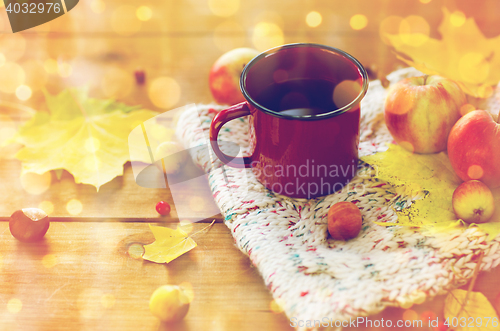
pixel 474 148
pixel 224 77
pixel 420 112
pixel 473 202
pixel 29 224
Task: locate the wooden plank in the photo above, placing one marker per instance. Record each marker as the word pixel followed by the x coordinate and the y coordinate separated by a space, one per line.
pixel 82 278
pixel 119 199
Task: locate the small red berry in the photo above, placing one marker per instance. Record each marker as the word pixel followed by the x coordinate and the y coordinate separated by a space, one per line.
pixel 140 77
pixel 163 208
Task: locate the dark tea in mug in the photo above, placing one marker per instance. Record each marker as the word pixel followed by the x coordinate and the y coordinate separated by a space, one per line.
pixel 299 97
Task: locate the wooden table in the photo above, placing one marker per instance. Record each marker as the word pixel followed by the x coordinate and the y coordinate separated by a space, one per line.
pixel 82 275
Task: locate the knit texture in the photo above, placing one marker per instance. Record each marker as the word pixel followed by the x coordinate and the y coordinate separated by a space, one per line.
pixel 313 276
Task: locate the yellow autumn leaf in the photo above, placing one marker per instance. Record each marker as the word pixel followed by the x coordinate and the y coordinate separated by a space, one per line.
pixel 169 244
pixel 85 136
pixel 430 176
pixel 472 312
pixel 463 54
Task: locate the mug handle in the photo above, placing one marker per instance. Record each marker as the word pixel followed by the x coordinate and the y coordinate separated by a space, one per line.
pixel 224 116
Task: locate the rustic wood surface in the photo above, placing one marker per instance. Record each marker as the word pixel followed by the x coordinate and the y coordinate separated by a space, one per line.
pixel 82 275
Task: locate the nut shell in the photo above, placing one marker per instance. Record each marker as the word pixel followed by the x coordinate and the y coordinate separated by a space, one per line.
pixel 344 221
pixel 29 224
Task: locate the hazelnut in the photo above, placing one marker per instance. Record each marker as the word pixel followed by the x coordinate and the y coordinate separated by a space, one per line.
pixel 344 221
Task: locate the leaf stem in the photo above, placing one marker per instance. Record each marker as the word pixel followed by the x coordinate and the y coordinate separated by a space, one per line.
pixel 79 105
pixel 17 106
pixel 473 281
pixel 208 226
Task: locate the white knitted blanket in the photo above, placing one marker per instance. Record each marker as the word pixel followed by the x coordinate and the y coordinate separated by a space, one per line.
pixel 312 276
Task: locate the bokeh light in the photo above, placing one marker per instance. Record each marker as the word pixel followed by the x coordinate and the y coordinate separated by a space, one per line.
pixel 425 1
pixel 14 306
pixel 473 68
pixel 467 108
pixel 46 206
pixel 164 92
pixel 358 22
pixel 135 251
pixel 11 76
pixel 186 226
pixel 457 18
pixel 124 20
pixel 267 35
pixel 224 8
pixel 475 171
pixel 414 30
pixel 427 316
pixel 89 303
pixel 36 75
pixel 277 306
pixel 485 91
pixel 410 315
pixel 50 66
pixel 13 46
pixel 108 300
pixel 23 92
pixel 188 290
pixel 98 6
pixel 389 25
pixel 36 184
pixel 7 130
pixel 49 260
pixel 345 92
pixel 270 17
pixel 116 83
pixel 197 203
pixel 74 207
pixel 144 13
pixel 171 156
pixel 313 19
pixel 64 69
pixel 229 35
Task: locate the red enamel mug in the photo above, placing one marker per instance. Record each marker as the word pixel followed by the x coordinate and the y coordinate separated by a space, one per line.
pixel 303 108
